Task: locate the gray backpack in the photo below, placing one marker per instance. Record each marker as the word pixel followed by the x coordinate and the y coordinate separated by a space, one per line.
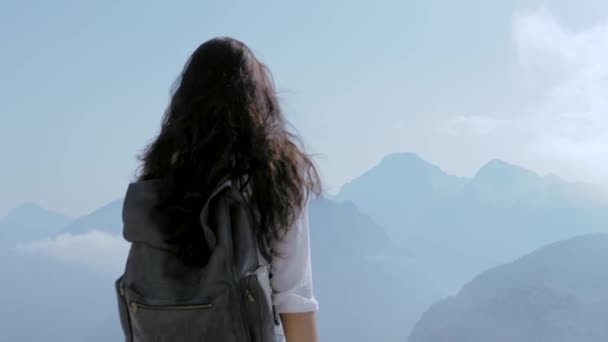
pixel 161 299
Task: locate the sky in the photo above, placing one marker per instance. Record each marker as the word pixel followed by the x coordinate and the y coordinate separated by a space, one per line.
pixel 83 85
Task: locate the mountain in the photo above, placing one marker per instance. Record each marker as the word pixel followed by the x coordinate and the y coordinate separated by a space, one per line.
pixel 359 273
pixel 463 226
pixel 107 218
pixel 501 173
pixel 339 229
pixel 30 222
pixel 558 293
pixel 400 182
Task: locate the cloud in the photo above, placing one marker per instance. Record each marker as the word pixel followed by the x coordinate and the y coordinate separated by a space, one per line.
pixel 98 250
pixel 473 125
pixel 569 122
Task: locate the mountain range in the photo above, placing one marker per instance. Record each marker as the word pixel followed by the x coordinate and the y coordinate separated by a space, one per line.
pixel 466 225
pixel 391 243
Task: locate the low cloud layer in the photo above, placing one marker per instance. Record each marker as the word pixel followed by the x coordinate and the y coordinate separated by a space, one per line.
pixel 100 251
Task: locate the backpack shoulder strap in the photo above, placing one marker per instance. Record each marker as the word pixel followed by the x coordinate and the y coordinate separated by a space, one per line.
pixel 210 237
pixel 227 219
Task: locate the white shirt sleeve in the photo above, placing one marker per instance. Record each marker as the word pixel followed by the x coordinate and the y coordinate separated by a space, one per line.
pixel 291 273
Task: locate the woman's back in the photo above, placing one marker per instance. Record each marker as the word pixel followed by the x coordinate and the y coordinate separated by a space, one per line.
pixel 224 122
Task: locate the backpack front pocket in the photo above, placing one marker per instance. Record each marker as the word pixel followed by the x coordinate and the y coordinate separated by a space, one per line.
pixel 164 321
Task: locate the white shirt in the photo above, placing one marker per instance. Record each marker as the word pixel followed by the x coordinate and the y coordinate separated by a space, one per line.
pixel 289 285
pixel 290 270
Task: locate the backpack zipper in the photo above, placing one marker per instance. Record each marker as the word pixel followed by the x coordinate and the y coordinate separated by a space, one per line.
pixel 243 310
pixel 252 292
pixel 249 296
pixel 135 307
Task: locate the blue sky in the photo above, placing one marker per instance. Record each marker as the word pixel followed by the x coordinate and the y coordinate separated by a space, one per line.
pixel 83 85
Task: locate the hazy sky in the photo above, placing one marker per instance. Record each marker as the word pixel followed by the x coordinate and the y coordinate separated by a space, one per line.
pixel 83 86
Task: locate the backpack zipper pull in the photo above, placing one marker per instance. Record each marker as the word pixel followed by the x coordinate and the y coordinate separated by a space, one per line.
pixel 134 307
pixel 249 296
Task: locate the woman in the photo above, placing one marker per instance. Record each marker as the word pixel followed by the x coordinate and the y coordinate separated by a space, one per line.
pixel 224 119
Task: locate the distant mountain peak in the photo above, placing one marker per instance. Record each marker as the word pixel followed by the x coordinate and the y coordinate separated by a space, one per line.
pixel 107 218
pixel 29 209
pixel 498 163
pixel 408 162
pixel 26 207
pixel 403 158
pixel 497 170
pixel 399 177
pixel 29 222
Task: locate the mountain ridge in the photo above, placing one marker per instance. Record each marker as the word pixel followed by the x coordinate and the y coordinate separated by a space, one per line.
pixel 30 208
pixel 107 218
pixel 557 292
pixel 29 221
pixel 452 221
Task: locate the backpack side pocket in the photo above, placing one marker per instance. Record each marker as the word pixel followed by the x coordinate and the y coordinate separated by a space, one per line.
pixel 125 320
pixel 258 304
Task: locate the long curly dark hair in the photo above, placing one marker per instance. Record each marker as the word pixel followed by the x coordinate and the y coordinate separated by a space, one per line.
pixel 223 120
